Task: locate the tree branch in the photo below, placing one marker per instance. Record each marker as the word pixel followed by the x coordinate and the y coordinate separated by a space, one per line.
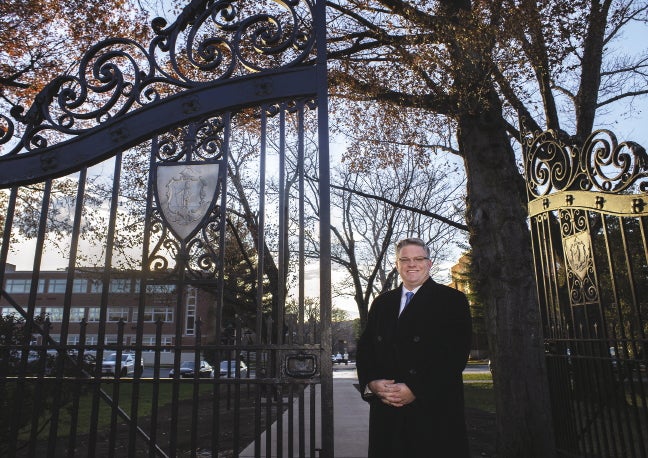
pixel 419 211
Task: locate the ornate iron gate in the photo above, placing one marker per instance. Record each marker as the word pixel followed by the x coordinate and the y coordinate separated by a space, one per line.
pixel 161 213
pixel 589 221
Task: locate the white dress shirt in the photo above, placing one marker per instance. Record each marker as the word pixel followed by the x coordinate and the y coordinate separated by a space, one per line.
pixel 404 298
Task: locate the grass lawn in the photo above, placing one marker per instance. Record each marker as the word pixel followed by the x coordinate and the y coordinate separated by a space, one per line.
pixel 480 396
pixel 478 392
pixel 195 413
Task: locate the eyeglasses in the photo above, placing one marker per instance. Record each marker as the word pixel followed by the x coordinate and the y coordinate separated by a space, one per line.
pixel 418 260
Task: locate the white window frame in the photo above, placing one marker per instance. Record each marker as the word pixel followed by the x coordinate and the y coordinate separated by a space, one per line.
pixel 56 285
pixel 55 314
pixel 116 313
pixel 120 285
pixel 190 314
pixel 94 314
pixel 111 339
pixel 22 285
pixel 96 286
pixel 151 314
pixel 77 314
pixel 91 340
pixel 165 341
pixel 160 289
pixel 80 285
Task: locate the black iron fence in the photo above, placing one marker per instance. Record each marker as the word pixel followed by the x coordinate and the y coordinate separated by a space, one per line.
pixel 63 400
pixel 157 214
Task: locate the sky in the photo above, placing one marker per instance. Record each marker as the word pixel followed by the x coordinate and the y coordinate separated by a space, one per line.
pixel 629 124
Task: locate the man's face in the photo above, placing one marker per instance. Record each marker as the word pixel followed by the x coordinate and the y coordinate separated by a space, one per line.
pixel 413 266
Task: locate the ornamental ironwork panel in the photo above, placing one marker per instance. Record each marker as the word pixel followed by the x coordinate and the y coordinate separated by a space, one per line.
pixel 160 206
pixel 589 221
pixel 215 55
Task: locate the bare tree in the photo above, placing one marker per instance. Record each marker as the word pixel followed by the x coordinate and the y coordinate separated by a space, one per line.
pixel 374 207
pixel 487 71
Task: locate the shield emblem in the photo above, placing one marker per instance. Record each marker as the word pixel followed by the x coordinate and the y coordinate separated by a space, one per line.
pixel 578 251
pixel 186 193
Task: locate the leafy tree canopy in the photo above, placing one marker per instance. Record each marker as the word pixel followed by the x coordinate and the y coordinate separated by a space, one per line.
pixel 42 39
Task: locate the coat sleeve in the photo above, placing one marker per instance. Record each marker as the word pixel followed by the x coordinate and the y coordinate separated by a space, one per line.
pixel 366 350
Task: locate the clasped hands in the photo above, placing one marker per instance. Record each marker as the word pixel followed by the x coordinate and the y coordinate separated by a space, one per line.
pixel 391 393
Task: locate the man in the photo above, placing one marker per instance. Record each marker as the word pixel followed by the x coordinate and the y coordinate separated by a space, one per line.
pixel 409 360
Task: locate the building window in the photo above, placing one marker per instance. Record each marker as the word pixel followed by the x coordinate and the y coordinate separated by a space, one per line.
pixel 91 340
pixel 93 314
pixel 73 339
pixel 163 313
pixel 117 313
pixel 149 341
pixel 190 317
pixel 18 285
pixel 96 286
pixel 120 285
pixel 9 311
pixel 111 340
pixel 56 285
pixel 55 314
pixel 160 289
pixel 80 285
pixel 22 285
pixel 152 314
pixel 77 314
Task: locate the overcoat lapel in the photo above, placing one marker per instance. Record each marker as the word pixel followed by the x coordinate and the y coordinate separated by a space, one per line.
pixel 394 307
pixel 416 301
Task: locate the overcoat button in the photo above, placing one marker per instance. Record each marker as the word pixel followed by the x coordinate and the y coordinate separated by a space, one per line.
pixel 379 338
pixel 417 339
pixel 412 371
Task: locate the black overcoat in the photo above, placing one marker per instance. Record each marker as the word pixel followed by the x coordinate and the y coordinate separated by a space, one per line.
pixel 426 348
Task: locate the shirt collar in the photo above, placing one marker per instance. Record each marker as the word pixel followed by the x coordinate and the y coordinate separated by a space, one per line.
pixel 405 290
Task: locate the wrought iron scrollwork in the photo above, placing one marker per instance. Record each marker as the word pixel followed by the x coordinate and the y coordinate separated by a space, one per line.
pixel 613 166
pixel 198 257
pixel 205 143
pixel 210 41
pixel 577 247
pixel 601 164
pixel 185 224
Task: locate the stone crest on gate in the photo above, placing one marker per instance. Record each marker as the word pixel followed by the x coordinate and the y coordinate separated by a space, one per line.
pixel 186 193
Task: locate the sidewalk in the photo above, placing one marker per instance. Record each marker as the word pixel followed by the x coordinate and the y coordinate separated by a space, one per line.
pixel 350 420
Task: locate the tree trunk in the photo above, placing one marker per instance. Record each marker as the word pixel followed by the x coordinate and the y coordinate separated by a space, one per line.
pixel 505 282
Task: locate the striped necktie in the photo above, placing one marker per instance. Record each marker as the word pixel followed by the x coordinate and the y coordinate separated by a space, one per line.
pixel 408 298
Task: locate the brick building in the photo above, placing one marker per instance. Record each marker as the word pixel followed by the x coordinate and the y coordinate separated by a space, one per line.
pixel 121 300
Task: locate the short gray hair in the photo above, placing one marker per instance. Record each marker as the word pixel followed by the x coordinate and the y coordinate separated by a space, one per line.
pixel 412 241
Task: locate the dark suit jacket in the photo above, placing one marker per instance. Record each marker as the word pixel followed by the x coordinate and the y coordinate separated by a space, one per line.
pixel 426 348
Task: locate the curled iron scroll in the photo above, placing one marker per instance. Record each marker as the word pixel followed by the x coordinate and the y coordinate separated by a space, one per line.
pixel 601 164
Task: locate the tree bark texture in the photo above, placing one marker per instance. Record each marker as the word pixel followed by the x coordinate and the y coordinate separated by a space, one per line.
pixel 503 267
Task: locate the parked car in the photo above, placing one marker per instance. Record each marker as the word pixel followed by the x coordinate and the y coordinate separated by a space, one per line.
pixel 128 365
pixel 228 369
pixel 11 361
pixel 187 369
pixel 341 358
